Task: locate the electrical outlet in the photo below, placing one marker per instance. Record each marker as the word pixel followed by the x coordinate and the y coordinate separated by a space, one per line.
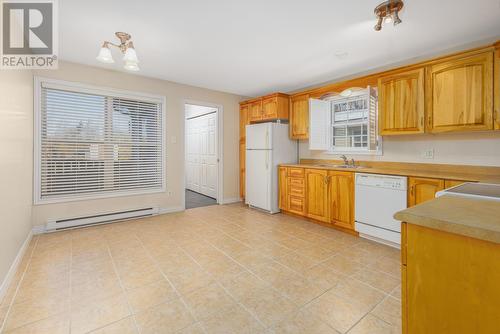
pixel 428 154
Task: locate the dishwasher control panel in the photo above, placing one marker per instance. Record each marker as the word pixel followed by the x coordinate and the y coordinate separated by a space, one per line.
pixel 382 181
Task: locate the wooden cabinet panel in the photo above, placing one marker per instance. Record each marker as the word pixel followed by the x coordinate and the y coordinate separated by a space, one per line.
pixel 283 188
pixel 299 117
pixel 317 194
pixel 296 187
pixel 459 94
pixel 341 190
pixel 270 108
pixel 255 111
pixel 450 284
pixel 296 205
pixel 296 172
pixel 496 86
pixel 242 169
pixel 423 189
pixel 401 103
pixel 244 108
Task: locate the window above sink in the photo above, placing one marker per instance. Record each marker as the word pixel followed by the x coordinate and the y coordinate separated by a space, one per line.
pixel 345 122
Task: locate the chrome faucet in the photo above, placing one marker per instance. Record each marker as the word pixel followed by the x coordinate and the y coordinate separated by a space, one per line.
pixel 346 162
pixel 353 163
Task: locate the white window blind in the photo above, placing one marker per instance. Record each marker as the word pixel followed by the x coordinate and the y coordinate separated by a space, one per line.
pixel 98 144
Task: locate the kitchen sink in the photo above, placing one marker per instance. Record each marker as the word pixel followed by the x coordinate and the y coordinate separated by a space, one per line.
pixel 340 166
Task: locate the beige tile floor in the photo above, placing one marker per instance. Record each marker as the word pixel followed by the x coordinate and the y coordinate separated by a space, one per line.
pixel 218 269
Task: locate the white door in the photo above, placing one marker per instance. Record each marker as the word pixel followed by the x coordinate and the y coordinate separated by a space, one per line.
pixel 258 178
pixel 201 154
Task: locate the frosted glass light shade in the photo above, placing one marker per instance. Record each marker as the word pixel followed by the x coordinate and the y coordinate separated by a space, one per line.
pixel 130 55
pixel 131 66
pixel 105 56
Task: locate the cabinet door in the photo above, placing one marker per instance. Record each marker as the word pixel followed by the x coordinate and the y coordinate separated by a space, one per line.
pixel 342 199
pixel 255 113
pixel 242 169
pixel 282 188
pixel 401 103
pixel 317 194
pixel 243 120
pixel 270 108
pixel 496 87
pixel 423 189
pixel 459 94
pixel 299 117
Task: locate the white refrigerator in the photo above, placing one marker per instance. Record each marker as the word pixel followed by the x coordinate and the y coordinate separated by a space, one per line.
pixel 267 146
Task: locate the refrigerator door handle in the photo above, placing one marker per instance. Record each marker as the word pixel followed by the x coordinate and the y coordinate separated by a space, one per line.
pixel 267 139
pixel 267 160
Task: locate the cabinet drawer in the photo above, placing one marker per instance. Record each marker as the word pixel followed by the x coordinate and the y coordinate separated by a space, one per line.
pixel 296 172
pixel 296 187
pixel 296 205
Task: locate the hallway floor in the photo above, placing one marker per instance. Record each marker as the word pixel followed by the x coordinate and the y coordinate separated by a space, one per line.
pixel 216 269
pixel 197 200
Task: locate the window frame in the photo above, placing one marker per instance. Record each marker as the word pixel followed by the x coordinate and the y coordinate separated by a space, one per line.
pixel 353 150
pixel 91 89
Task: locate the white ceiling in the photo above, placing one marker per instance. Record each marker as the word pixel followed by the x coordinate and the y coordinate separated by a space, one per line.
pixel 252 47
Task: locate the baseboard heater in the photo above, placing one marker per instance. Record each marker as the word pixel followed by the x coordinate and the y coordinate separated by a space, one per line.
pixel 61 224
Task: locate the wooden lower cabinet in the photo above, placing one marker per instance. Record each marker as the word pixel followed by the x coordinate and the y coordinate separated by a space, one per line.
pixel 322 195
pixel 282 191
pixel 341 193
pixel 423 189
pixel 317 194
pixel 449 283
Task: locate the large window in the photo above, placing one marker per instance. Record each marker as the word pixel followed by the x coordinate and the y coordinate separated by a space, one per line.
pixel 345 122
pixel 94 143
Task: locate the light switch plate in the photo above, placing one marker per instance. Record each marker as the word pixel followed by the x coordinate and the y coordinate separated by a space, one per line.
pixel 173 139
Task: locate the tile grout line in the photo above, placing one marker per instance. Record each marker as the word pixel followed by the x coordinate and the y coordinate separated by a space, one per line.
pixel 11 303
pixel 179 295
pixel 369 312
pixel 122 287
pixel 227 292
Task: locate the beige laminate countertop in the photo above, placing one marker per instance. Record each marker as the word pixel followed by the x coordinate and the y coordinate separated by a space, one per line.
pixel 406 172
pixel 475 218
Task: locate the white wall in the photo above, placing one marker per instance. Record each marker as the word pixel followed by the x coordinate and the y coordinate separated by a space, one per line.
pixel 481 148
pixel 16 161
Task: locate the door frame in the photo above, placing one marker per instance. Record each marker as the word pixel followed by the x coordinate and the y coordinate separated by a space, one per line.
pixel 219 129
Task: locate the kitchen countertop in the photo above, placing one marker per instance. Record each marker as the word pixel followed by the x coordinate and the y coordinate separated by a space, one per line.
pixel 475 218
pixel 448 175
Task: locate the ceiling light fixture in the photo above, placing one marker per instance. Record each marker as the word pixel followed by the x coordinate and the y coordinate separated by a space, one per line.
pixel 126 46
pixel 388 12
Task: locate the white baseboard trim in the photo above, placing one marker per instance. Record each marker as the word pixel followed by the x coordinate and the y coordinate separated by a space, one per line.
pixel 230 200
pixel 14 266
pixel 163 211
pixel 38 229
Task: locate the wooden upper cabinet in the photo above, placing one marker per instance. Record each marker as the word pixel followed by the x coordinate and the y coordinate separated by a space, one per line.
pixel 299 117
pixel 317 204
pixel 459 94
pixel 255 111
pixel 244 108
pixel 423 189
pixel 275 106
pixel 342 199
pixel 401 103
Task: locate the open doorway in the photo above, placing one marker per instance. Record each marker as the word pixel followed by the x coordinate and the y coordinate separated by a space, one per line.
pixel 201 155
